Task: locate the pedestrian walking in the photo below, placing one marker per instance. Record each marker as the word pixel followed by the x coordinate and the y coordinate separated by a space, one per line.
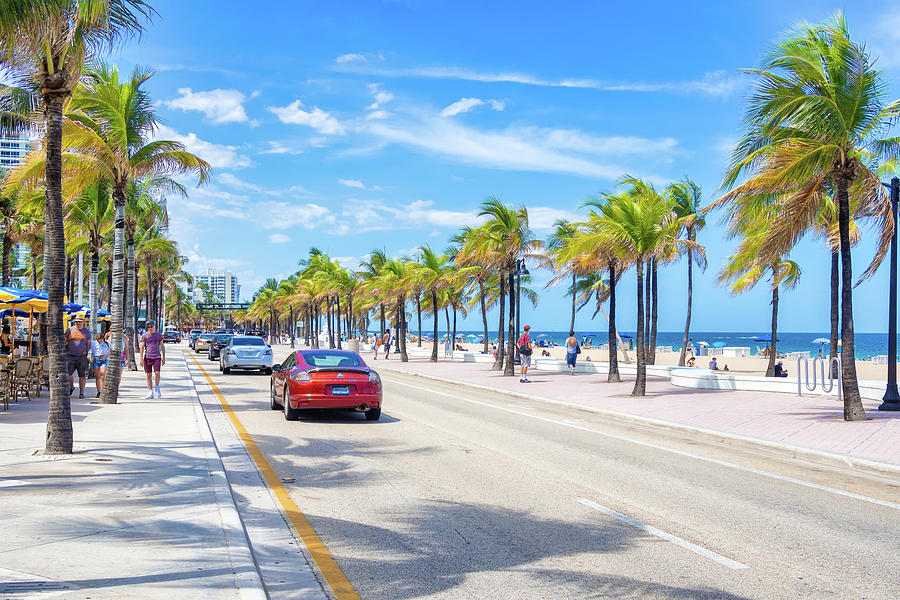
pixel 572 351
pixel 78 342
pixel 153 357
pixel 100 360
pixel 387 344
pixel 524 345
pixel 376 346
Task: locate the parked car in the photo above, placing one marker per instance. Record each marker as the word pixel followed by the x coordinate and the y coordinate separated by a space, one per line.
pixel 332 379
pixel 204 342
pixel 246 352
pixel 192 337
pixel 171 336
pixel 215 348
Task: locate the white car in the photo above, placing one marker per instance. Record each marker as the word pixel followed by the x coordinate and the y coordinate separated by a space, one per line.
pixel 248 352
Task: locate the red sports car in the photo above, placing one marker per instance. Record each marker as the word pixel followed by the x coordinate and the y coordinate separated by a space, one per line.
pixel 338 379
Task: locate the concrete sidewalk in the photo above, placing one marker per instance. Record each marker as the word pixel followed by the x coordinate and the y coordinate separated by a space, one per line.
pixel 810 422
pixel 143 509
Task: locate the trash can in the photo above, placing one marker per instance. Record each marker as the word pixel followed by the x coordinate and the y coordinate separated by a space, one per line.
pixel 353 346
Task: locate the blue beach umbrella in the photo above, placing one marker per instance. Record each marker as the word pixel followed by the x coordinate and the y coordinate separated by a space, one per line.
pixel 625 336
pixel 821 341
pixel 765 338
pixel 719 344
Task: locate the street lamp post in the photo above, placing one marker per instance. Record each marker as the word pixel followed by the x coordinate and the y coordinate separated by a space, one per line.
pixel 521 269
pixel 891 399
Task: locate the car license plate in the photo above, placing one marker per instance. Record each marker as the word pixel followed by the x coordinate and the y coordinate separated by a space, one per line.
pixel 340 390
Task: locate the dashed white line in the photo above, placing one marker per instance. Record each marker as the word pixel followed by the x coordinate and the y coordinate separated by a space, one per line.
pixel 722 560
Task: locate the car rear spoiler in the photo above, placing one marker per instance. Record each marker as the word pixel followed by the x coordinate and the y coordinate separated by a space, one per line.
pixel 360 370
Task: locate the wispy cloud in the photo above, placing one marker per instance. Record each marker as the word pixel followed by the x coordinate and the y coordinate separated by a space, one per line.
pixel 352 183
pixel 279 148
pixel 279 238
pixel 350 58
pixel 714 83
pixel 316 118
pixel 218 155
pixel 219 106
pixel 464 105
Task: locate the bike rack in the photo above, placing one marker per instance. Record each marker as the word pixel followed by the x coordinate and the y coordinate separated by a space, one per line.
pixel 803 376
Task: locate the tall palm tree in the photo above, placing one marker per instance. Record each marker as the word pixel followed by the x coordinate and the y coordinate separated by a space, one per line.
pixel 432 274
pixel 506 237
pixel 638 225
pixel 687 203
pixel 44 44
pixel 816 120
pixel 91 215
pixel 562 233
pixel 109 125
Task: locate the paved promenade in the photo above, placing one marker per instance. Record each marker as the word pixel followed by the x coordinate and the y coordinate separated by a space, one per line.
pixel 142 510
pixel 806 422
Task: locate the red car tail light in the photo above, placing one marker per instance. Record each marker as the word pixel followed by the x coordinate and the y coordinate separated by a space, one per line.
pixel 301 377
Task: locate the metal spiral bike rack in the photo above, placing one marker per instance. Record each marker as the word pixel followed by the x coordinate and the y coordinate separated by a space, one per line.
pixel 818 363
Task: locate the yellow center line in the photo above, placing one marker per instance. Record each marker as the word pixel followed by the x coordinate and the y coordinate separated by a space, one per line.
pixel 334 576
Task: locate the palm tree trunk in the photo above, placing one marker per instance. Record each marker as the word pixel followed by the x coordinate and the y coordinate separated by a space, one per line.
pixel 613 376
pixel 509 369
pixel 130 299
pixel 92 287
pixel 454 328
pixel 110 277
pixel 293 324
pixel 773 349
pixel 7 252
pixel 483 315
pixel 136 307
pixel 330 323
pixel 382 320
pixel 690 295
pixel 33 262
pixel 401 328
pixel 498 362
pixel 647 312
pixel 59 418
pixel 419 312
pixel 110 392
pixel 434 342
pixel 853 408
pixel 835 310
pixel 572 321
pixel 654 315
pixel 640 381
pixel 337 319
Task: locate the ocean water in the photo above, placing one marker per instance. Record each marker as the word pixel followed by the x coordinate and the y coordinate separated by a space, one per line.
pixel 867 344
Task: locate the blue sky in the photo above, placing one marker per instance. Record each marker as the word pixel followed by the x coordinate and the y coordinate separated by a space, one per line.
pixel 356 125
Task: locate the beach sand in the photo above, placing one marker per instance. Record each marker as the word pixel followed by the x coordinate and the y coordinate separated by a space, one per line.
pixel 752 365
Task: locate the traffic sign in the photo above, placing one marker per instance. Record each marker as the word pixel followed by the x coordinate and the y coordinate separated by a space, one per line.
pixel 222 306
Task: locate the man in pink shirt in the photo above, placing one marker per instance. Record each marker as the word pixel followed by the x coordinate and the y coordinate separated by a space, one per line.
pixel 153 357
pixel 525 348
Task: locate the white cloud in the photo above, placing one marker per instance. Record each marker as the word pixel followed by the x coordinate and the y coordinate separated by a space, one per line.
pixel 219 106
pixel 217 155
pixel 318 119
pixel 352 183
pixel 542 218
pixel 279 238
pixel 714 83
pixel 350 58
pixel 493 149
pixel 284 215
pixel 230 180
pixel 461 106
pixel 378 114
pixel 380 96
pixel 279 148
pixel 464 105
pixel 569 139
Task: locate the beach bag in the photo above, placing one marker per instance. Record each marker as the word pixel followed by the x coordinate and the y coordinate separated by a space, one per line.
pixel 577 348
pixel 524 350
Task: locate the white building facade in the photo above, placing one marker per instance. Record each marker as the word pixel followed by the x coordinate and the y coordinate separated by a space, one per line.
pixel 221 284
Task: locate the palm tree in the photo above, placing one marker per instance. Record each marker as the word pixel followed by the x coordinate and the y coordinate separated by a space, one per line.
pixel 432 274
pixel 92 215
pixel 109 124
pixel 746 267
pixel 44 43
pixel 562 233
pixel 687 198
pixel 506 237
pixel 637 224
pixel 816 120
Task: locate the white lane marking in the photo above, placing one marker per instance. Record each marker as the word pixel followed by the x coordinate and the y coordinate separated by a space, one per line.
pixel 722 560
pixel 815 486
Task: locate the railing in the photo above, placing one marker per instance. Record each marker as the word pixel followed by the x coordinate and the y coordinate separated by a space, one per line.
pixel 803 376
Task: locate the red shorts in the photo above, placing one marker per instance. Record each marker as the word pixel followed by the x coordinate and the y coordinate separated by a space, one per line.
pixel 151 364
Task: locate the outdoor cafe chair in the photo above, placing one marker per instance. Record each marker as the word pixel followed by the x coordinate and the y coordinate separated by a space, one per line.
pixel 21 378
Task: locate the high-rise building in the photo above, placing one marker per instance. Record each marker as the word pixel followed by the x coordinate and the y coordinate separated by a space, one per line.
pixel 221 284
pixel 13 149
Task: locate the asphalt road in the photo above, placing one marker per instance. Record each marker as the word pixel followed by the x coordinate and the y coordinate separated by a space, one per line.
pixel 458 493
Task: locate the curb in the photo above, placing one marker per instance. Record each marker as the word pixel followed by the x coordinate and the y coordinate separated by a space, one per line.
pixel 250 585
pixel 831 458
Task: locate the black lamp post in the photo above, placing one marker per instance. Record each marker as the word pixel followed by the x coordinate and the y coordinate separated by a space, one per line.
pixel 521 269
pixel 891 399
